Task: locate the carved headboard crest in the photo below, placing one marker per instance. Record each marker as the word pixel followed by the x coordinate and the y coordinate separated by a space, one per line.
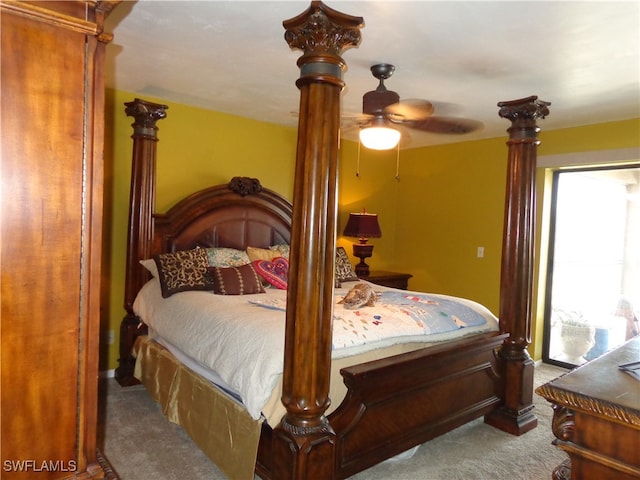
pixel 245 186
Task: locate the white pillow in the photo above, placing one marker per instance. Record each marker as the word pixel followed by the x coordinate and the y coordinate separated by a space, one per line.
pixel 150 264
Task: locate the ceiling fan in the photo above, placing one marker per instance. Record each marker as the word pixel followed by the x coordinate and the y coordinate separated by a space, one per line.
pixel 382 111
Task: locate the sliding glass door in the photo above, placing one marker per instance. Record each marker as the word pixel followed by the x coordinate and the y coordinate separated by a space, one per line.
pixel 593 275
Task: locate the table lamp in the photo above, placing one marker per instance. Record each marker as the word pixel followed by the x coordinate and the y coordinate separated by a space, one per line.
pixel 362 226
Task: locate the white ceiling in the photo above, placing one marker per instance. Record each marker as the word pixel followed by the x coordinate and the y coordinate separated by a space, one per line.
pixel 231 57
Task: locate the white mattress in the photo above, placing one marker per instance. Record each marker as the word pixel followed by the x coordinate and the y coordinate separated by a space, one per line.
pixel 240 346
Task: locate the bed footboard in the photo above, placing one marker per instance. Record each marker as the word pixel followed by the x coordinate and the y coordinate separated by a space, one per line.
pixel 396 403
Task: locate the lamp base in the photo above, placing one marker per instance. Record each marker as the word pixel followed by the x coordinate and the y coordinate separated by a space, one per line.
pixel 362 251
pixel 362 269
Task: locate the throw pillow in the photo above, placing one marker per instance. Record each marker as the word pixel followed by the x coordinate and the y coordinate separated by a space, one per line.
pixel 227 257
pixel 255 253
pixel 151 266
pixel 344 270
pixel 242 280
pixel 275 272
pixel 283 249
pixel 182 271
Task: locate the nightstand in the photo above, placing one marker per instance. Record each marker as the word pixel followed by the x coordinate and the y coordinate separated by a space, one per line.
pixel 389 279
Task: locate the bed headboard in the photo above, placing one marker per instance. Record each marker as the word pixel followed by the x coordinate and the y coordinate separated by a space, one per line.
pixel 239 214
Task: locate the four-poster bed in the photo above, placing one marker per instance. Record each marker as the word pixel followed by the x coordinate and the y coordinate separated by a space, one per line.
pixel 392 403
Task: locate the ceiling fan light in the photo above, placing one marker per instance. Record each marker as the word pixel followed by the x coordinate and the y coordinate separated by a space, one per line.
pixel 379 138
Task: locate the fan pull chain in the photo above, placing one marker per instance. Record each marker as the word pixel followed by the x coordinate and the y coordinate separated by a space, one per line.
pixel 358 160
pixel 398 162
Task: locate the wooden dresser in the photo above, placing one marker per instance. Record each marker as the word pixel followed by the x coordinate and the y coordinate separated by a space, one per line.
pixel 596 417
pixel 51 238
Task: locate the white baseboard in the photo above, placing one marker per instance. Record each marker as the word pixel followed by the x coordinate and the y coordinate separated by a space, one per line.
pixel 107 373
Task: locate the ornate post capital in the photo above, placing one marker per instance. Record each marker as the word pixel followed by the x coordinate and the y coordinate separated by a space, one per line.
pixel 146 115
pixel 322 34
pixel 523 114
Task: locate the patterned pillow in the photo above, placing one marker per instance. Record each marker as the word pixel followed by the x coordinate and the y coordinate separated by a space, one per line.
pixel 227 257
pixel 275 272
pixel 283 250
pixel 344 270
pixel 242 280
pixel 182 271
pixel 255 253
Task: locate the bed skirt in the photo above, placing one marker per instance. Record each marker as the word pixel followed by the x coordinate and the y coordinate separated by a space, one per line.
pixel 222 428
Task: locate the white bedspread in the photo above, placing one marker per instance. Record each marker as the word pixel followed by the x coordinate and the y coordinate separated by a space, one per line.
pixel 244 343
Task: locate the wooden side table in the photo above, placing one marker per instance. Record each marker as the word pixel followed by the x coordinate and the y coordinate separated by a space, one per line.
pixel 388 279
pixel 596 417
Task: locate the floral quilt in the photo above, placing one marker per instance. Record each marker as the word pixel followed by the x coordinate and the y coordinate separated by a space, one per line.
pixel 395 314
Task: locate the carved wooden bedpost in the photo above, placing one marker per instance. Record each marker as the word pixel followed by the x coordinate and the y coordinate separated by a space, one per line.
pixel 303 442
pixel 516 283
pixel 140 234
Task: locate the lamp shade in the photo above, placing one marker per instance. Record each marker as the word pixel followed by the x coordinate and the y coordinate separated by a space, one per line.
pixel 379 134
pixel 379 138
pixel 362 225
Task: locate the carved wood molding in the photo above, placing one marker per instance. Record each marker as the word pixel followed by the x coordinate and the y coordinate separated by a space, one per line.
pixel 298 430
pixel 321 31
pixel 146 114
pixel 109 472
pixel 581 454
pixel 562 471
pixel 563 423
pixel 61 20
pixel 245 186
pixel 525 110
pixel 576 401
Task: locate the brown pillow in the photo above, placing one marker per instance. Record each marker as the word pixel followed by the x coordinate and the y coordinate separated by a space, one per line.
pixel 242 280
pixel 182 271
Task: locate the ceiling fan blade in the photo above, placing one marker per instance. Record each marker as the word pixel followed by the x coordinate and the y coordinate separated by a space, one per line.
pixel 446 125
pixel 405 139
pixel 355 122
pixel 413 109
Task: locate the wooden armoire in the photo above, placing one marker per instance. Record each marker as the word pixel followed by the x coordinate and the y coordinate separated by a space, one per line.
pixel 52 129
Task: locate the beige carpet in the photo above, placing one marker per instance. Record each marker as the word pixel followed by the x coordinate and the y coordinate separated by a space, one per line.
pixel 141 444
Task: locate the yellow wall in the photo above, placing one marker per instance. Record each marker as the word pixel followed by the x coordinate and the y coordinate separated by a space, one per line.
pixel 375 190
pixel 448 200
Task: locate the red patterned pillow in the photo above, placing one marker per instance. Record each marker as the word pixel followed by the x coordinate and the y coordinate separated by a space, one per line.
pixel 274 271
pixel 242 280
